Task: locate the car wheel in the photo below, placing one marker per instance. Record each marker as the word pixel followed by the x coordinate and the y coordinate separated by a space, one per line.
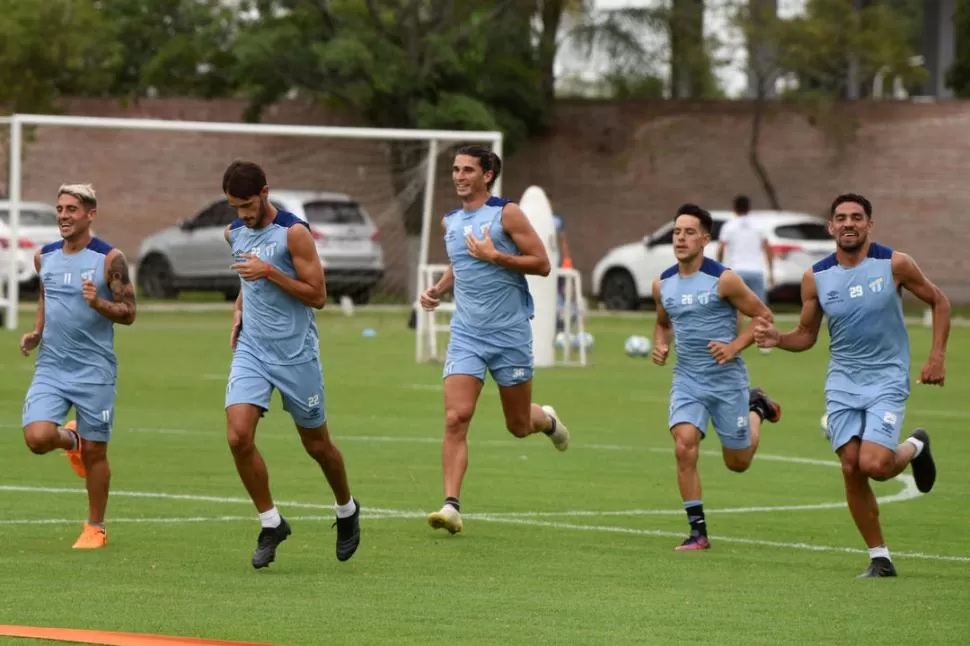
pixel 618 290
pixel 155 278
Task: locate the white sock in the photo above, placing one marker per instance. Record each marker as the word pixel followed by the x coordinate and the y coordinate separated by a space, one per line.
pixel 346 511
pixel 918 444
pixel 270 518
pixel 881 552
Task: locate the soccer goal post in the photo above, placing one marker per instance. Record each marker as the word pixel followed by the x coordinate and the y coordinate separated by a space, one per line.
pixel 156 176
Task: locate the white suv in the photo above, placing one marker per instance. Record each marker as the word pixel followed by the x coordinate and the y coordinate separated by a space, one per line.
pixel 623 279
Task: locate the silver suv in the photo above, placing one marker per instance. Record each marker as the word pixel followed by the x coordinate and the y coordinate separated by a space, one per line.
pixel 193 255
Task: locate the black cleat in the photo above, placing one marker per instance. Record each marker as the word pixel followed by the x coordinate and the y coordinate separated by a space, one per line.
pixel 269 540
pixel 759 402
pixel 878 567
pixel 348 534
pixel 924 468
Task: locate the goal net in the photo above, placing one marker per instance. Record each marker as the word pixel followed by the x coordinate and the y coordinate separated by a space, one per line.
pixel 372 196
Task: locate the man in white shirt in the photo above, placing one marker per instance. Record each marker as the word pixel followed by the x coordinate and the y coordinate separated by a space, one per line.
pixel 744 248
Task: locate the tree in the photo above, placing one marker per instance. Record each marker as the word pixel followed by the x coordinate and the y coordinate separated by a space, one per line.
pixel 50 48
pixel 958 76
pixel 620 37
pixel 815 51
pixel 171 47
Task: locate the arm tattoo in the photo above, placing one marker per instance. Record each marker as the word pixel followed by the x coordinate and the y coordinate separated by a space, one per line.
pixel 122 310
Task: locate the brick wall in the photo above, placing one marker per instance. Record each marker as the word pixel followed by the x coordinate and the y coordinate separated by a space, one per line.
pixel 615 171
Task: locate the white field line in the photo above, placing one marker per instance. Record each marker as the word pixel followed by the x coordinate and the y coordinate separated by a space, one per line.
pixel 385 514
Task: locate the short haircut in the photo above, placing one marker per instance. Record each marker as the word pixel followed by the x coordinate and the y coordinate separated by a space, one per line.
pixel 83 193
pixel 488 160
pixel 742 204
pixel 854 198
pixel 707 222
pixel 243 179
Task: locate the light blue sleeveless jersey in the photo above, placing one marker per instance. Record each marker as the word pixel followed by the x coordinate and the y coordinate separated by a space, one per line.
pixel 869 344
pixel 277 328
pixel 488 297
pixel 77 346
pixel 699 316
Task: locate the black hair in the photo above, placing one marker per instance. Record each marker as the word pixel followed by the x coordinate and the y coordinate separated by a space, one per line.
pixel 854 198
pixel 707 222
pixel 488 160
pixel 243 179
pixel 742 204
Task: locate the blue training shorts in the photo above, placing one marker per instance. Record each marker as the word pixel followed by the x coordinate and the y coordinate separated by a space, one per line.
pixel 48 400
pixel 728 410
pixel 878 419
pixel 505 354
pixel 301 387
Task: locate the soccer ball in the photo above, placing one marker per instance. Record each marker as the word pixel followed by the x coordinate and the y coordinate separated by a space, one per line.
pixel 562 340
pixel 637 346
pixel 585 340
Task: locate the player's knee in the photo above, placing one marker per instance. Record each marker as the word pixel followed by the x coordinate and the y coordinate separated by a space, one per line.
pixel 94 453
pixel 38 443
pixel 877 467
pixel 685 450
pixel 240 438
pixel 852 470
pixel 457 419
pixel 519 426
pixel 737 463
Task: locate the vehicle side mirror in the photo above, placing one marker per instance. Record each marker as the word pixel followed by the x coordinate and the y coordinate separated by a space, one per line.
pixel 647 241
pixel 186 224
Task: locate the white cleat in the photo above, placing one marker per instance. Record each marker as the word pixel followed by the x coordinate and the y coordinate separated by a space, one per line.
pixel 560 438
pixel 446 518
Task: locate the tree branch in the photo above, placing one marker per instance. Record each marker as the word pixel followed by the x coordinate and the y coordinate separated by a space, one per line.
pixel 375 17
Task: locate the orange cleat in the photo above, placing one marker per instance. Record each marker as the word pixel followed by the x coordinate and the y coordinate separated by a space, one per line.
pixel 74 455
pixel 91 538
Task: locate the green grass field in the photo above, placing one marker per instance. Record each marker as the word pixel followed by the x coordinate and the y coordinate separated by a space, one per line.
pixel 572 548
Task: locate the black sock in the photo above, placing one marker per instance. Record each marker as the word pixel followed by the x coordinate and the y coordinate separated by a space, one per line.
pixel 759 406
pixel 552 425
pixel 451 500
pixel 695 516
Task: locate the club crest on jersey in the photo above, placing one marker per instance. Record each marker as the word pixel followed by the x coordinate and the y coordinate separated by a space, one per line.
pixel 876 285
pixel 264 251
pixel 87 275
pixel 703 298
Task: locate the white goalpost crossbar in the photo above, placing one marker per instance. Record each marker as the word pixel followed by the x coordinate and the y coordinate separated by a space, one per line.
pixel 9 299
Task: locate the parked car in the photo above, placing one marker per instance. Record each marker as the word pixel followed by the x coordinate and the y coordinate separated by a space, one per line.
pixel 38 226
pixel 623 278
pixel 193 255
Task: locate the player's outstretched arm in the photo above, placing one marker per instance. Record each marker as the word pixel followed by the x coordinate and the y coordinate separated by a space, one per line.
pixel 735 291
pixel 533 258
pixel 909 276
pixel 805 333
pixel 309 286
pixel 663 329
pixel 32 339
pixel 121 308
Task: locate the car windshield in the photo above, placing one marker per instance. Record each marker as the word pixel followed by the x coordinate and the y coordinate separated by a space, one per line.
pixel 30 218
pixel 803 231
pixel 327 212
